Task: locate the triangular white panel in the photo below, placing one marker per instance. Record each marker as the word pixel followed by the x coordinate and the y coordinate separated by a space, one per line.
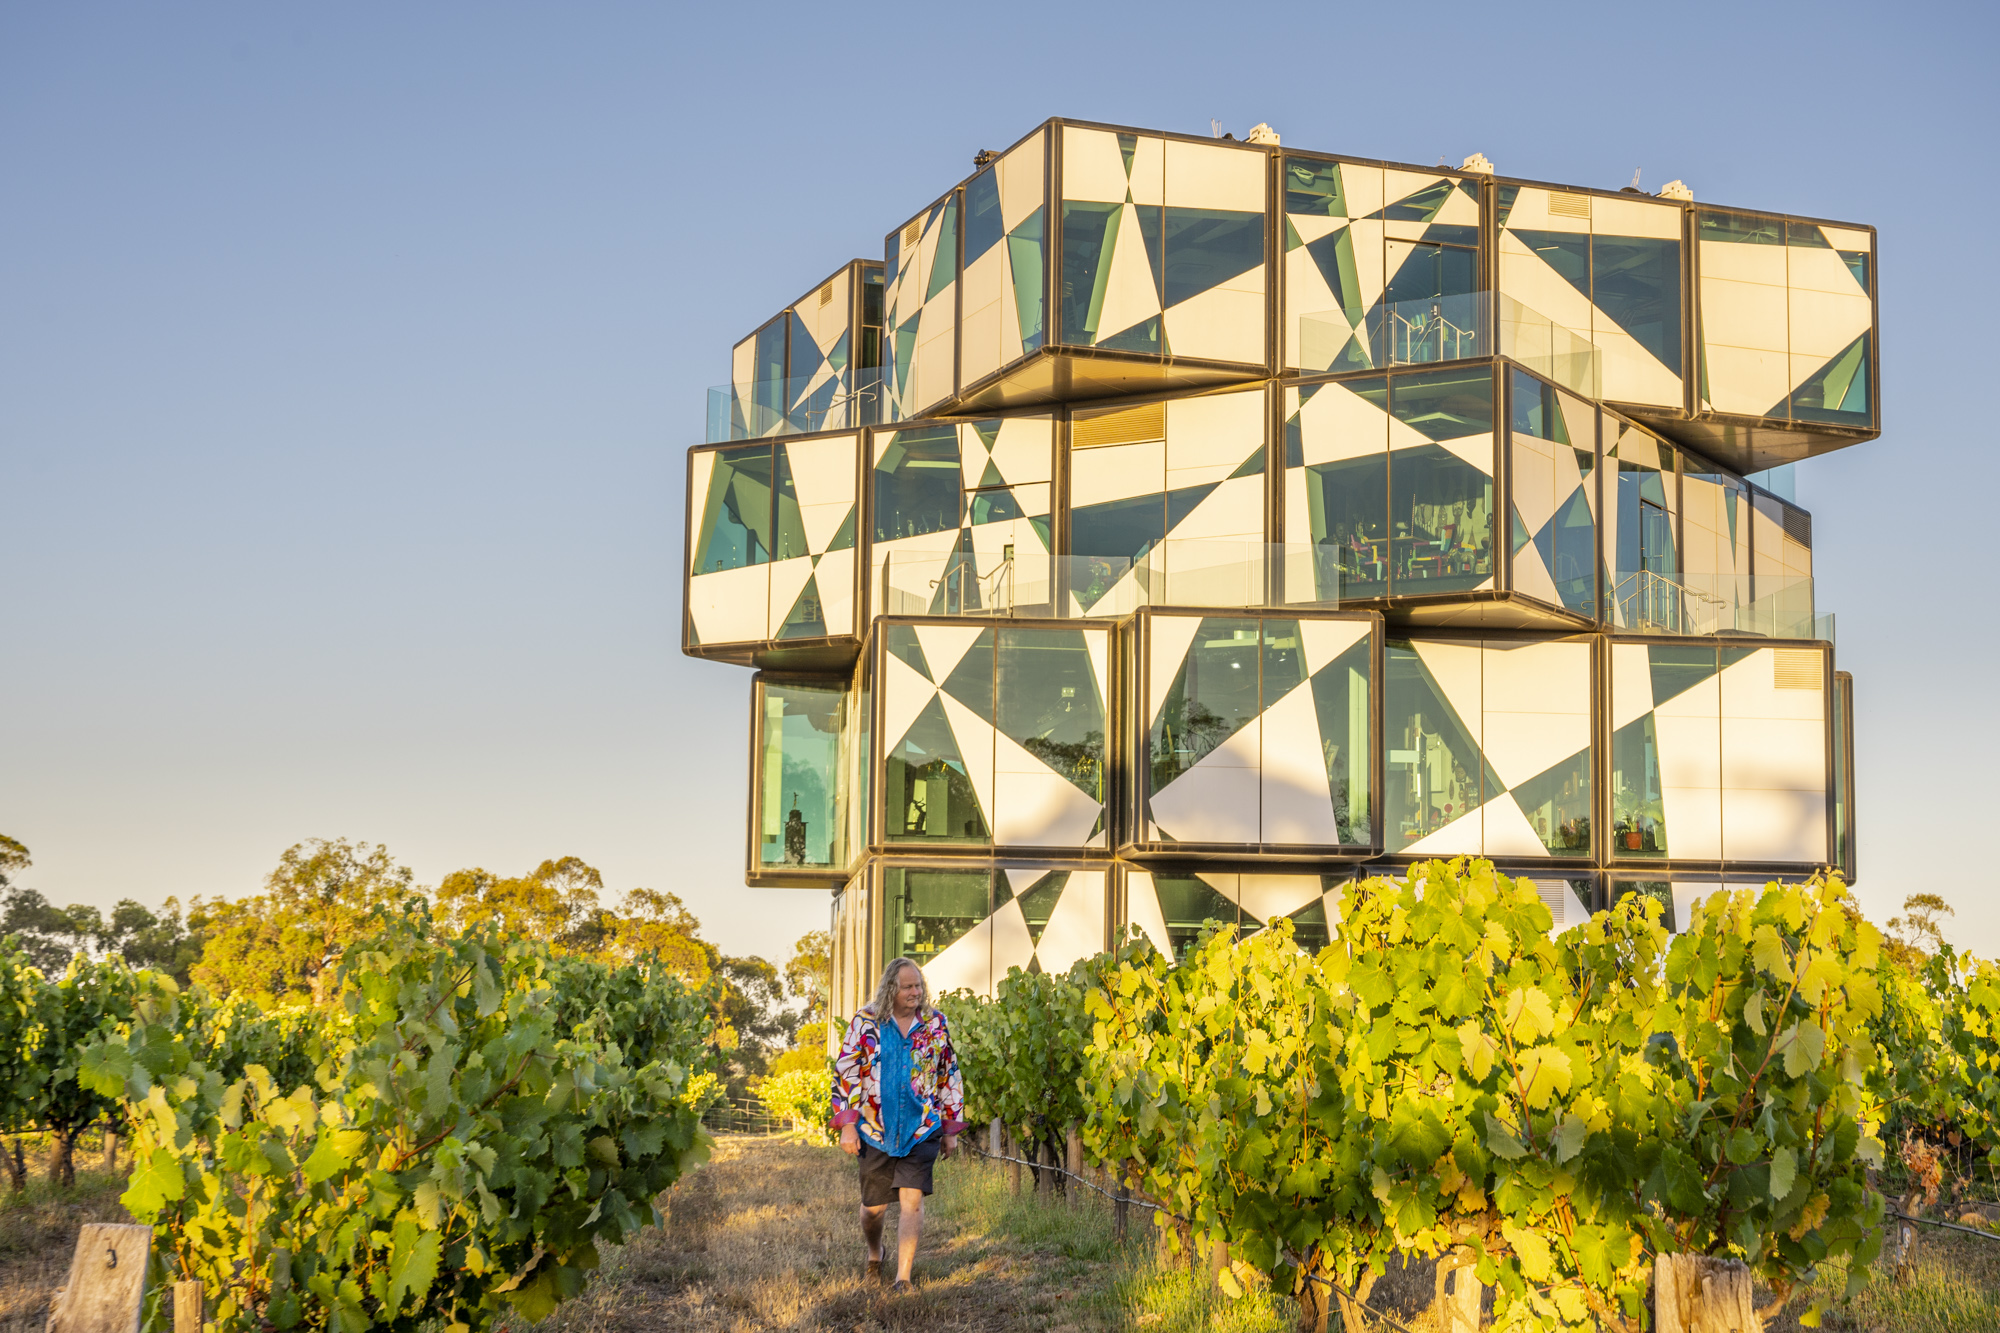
pixel 1474 449
pixel 1131 292
pixel 1033 805
pixel 788 580
pixel 1531 576
pixel 945 645
pixel 835 573
pixel 1012 946
pixel 728 606
pixel 1076 928
pixel 1533 482
pixel 1456 668
pixel 1217 799
pixel 1631 684
pixel 1338 423
pixel 1268 897
pixel 1223 323
pixel 1508 832
pixel 1461 836
pixel 967 961
pixel 823 478
pixel 1297 805
pixel 1024 449
pixel 1142 908
pixel 904 694
pixel 1020 879
pixel 1170 636
pixel 975 745
pixel 1536 705
pixel 1312 226
pixel 1098 642
pixel 1323 641
pixel 1330 904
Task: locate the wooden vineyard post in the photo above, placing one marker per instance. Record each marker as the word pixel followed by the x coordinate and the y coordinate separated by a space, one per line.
pixel 1074 1165
pixel 995 1139
pixel 1458 1310
pixel 107 1281
pixel 1121 1204
pixel 187 1307
pixel 1014 1167
pixel 1695 1293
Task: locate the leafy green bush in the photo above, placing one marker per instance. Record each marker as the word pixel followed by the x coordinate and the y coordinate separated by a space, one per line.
pixel 804 1097
pixel 467 1137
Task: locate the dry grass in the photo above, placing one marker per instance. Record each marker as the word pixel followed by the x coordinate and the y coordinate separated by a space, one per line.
pixel 38 1230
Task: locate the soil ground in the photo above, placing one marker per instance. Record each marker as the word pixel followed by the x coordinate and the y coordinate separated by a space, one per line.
pixel 763 1237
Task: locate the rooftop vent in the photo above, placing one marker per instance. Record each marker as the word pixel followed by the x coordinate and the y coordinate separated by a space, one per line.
pixel 1677 190
pixel 1479 164
pixel 1562 205
pixel 1262 133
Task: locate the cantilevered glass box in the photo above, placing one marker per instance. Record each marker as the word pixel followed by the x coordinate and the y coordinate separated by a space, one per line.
pixel 772 575
pixel 814 366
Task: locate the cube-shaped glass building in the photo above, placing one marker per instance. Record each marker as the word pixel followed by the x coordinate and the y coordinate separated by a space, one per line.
pixel 1170 530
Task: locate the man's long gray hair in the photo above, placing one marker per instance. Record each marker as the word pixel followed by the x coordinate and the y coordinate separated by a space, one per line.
pixel 884 1004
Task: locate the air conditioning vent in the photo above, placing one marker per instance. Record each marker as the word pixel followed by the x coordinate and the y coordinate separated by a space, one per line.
pixel 1127 426
pixel 826 294
pixel 1555 897
pixel 1798 526
pixel 1795 669
pixel 1562 205
pixel 913 232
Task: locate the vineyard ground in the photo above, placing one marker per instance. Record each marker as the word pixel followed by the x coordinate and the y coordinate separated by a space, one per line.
pixel 762 1238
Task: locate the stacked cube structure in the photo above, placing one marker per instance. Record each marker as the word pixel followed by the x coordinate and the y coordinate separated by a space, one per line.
pixel 1172 529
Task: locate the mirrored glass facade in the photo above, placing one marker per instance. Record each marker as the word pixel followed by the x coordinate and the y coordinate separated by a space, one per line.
pixel 1216 521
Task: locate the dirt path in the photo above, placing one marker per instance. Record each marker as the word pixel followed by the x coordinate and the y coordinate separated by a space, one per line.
pixel 764 1237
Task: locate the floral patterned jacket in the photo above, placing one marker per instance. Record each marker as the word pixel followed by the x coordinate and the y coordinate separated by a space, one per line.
pixel 857 1076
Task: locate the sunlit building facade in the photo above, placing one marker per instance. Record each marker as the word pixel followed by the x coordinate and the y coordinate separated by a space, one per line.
pixel 1169 529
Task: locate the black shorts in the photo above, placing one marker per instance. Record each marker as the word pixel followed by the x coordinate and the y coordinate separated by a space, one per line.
pixel 882 1175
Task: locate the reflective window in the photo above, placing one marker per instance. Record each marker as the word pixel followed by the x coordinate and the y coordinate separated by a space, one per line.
pixel 1434 769
pixel 1637 282
pixel 983 229
pixel 1553 460
pixel 917 483
pixel 925 912
pixel 1659 890
pixel 1440 503
pixel 1347 497
pixel 928 786
pixel 736 517
pixel 1206 247
pixel 1213 698
pixel 1046 698
pixel 1187 905
pixel 768 390
pixel 799 771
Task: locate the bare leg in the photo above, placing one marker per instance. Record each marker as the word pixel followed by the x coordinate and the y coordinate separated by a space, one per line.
pixel 909 1226
pixel 871 1229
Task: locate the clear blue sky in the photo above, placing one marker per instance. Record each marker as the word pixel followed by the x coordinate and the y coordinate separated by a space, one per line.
pixel 348 354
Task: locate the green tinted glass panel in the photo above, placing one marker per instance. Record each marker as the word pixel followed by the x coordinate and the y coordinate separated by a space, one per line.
pixel 1213 696
pixel 930 795
pixel 1838 391
pixel 944 268
pixel 736 514
pixel 1534 409
pixel 982 214
pixel 1024 253
pixel 1434 770
pixel 917 483
pixel 1087 229
pixel 1187 905
pixel 1314 187
pixel 1444 404
pixel 925 912
pixel 788 536
pixel 1341 700
pixel 1567 252
pixel 1659 890
pixel 1637 282
pixel 1207 247
pixel 1740 228
pixel 1638 809
pixel 798 817
pixel 1441 517
pixel 1557 806
pixel 1048 701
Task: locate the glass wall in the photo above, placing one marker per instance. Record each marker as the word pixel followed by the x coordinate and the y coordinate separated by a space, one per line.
pixel 1786 318
pixel 1441 481
pixel 1488 747
pixel 962 517
pixel 853 968
pixel 1395 474
pixel 1641 527
pixel 799 815
pixel 1552 483
pixel 771 548
pixel 1719 751
pixel 1005 254
pixel 968 928
pixel 1381 266
pixel 1607 270
pixel 1843 774
pixel 920 272
pixel 1176 484
pixel 1260 731
pixel 1173 910
pixel 1162 246
pixel 994 735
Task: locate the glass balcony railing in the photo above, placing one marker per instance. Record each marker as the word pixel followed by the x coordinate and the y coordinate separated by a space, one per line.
pixel 1172 573
pixel 1451 328
pixel 1648 602
pixel 759 409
